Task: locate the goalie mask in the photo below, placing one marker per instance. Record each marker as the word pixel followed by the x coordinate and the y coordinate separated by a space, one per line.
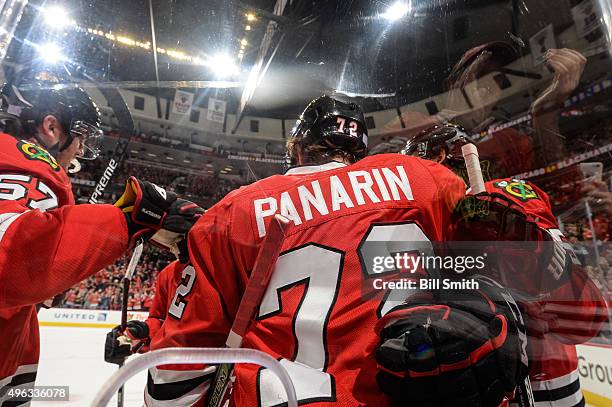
pixel 24 109
pixel 329 128
pixel 429 142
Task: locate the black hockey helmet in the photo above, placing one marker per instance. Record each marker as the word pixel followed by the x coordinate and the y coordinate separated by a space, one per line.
pixel 328 127
pixel 30 102
pixel 428 143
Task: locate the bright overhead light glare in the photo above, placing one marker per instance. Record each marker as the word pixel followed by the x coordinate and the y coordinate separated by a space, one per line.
pixel 223 65
pixel 244 42
pixel 56 17
pixel 250 17
pixel 50 53
pixel 397 10
pixel 248 28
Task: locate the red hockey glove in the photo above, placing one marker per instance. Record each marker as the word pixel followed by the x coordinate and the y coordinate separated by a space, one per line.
pixel 469 350
pixel 121 344
pixel 149 208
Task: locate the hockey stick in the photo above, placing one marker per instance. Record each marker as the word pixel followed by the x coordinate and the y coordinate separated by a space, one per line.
pixel 127 279
pixel 126 130
pixel 524 394
pixel 253 294
pixel 472 164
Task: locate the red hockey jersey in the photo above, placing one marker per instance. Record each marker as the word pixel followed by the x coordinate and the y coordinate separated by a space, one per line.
pixel 165 285
pixel 313 317
pixel 553 359
pixel 47 244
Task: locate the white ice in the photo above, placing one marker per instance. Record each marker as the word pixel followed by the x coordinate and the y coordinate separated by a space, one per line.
pixel 74 357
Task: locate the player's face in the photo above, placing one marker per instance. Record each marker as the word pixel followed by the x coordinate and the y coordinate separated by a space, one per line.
pixel 71 152
pixel 52 134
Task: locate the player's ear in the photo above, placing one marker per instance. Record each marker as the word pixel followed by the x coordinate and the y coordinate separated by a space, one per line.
pixel 301 157
pixel 51 130
pixel 441 157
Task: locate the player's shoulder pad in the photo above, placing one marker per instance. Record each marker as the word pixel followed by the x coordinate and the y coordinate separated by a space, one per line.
pixel 23 156
pixel 517 189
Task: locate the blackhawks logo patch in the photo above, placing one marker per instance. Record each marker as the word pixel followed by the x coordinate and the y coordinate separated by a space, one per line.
pixel 518 189
pixel 34 152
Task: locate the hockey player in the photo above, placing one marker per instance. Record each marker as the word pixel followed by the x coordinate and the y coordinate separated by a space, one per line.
pixel 313 317
pixel 137 336
pixel 563 316
pixel 47 243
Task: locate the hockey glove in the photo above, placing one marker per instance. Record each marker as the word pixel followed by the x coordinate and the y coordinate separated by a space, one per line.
pixel 121 344
pixel 149 208
pixel 466 351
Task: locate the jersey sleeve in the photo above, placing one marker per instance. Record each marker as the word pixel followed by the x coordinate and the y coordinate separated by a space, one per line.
pixel 159 306
pixel 579 307
pixel 450 190
pixel 45 252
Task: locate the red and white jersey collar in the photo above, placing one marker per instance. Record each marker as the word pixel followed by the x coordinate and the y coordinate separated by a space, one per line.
pixel 309 169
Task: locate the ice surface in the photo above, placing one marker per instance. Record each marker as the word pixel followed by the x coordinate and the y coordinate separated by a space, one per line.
pixel 74 357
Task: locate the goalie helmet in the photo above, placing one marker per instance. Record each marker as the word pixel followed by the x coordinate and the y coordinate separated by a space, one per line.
pixel 25 107
pixel 329 127
pixel 448 137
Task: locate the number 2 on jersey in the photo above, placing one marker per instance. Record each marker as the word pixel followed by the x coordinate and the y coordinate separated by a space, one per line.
pixel 177 306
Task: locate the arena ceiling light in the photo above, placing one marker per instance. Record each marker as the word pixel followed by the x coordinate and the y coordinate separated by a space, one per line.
pixel 223 65
pixel 50 53
pixel 397 10
pixel 56 17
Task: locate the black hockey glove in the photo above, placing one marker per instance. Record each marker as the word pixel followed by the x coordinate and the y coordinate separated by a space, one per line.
pixel 121 344
pixel 469 350
pixel 149 208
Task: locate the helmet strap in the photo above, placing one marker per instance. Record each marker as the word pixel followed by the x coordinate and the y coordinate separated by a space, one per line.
pixel 67 143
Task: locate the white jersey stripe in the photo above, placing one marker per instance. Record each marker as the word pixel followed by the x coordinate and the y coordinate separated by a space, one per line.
pixel 555 383
pixel 6 219
pixel 20 370
pixel 164 376
pixel 185 400
pixel 5 385
pixel 569 401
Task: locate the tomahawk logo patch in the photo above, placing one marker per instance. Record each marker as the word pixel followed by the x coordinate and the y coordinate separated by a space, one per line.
pixel 517 189
pixel 37 153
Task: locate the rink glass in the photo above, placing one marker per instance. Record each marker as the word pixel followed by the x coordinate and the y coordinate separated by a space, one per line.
pixel 210 91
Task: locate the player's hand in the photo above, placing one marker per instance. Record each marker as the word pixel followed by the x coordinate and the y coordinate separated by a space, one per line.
pixel 466 351
pixel 121 344
pixel 149 208
pixel 567 66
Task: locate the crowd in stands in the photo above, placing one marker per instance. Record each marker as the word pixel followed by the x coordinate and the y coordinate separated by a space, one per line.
pixel 205 190
pixel 103 290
